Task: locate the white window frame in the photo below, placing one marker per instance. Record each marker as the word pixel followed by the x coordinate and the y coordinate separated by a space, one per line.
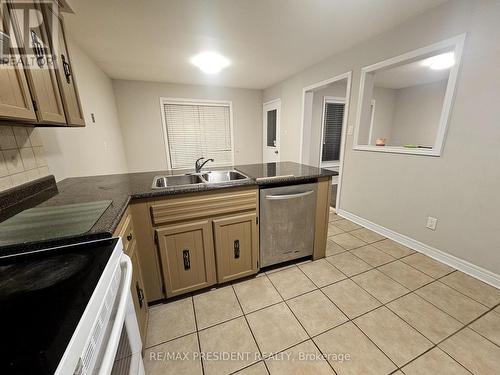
pixel 457 43
pixel 199 102
pixel 337 100
pixel 372 118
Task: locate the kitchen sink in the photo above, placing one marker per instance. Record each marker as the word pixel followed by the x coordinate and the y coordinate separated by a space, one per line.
pixel 160 182
pixel 223 176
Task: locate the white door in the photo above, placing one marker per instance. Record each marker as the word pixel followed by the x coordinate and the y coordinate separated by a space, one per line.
pixel 271 138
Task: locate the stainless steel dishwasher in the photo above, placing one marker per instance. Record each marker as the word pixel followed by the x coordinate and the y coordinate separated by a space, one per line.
pixel 287 217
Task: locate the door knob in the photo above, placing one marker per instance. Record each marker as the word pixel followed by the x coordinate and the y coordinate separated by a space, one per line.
pixel 276 151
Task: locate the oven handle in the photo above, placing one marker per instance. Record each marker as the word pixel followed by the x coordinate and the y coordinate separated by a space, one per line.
pixel 288 196
pixel 114 338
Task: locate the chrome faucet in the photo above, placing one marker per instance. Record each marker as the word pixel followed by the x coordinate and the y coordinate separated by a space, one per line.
pixel 198 166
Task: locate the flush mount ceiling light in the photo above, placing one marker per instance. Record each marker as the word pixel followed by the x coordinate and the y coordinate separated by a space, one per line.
pixel 440 62
pixel 210 62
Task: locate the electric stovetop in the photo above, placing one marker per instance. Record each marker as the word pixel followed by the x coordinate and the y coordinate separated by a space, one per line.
pixel 41 224
pixel 43 295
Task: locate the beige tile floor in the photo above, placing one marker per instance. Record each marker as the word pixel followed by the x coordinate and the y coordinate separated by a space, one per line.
pixel 372 306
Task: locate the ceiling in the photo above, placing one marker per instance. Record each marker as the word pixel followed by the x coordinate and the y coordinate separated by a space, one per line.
pixel 266 40
pixel 407 75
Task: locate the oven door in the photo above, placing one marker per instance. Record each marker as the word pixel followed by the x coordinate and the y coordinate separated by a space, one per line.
pixel 122 347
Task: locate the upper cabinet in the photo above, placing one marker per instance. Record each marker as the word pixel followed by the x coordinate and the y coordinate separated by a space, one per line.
pixel 15 98
pixel 66 74
pixel 44 65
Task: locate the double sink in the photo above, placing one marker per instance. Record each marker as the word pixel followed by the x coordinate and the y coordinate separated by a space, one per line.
pixel 160 182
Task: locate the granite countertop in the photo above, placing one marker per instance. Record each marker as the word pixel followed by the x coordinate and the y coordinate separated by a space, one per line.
pixel 122 188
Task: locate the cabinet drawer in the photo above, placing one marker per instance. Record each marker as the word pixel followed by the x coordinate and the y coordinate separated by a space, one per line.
pixel 187 256
pixel 125 230
pixel 236 246
pixel 203 205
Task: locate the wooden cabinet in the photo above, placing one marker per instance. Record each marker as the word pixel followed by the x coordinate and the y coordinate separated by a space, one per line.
pixel 236 246
pixel 187 242
pixel 15 98
pixel 40 70
pixel 187 256
pixel 125 231
pixel 42 90
pixel 138 294
pixel 66 77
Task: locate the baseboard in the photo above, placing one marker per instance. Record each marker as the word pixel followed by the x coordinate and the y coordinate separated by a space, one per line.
pixel 451 260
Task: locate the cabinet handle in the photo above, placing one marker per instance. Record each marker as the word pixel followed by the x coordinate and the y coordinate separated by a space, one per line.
pixel 38 49
pixel 236 249
pixel 67 69
pixel 186 259
pixel 140 294
pixel 129 237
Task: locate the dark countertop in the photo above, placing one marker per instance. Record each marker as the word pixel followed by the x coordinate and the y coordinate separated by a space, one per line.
pixel 122 188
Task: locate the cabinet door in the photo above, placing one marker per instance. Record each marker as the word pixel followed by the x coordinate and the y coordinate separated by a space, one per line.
pixel 138 296
pixel 15 98
pixel 66 78
pixel 41 72
pixel 236 246
pixel 187 256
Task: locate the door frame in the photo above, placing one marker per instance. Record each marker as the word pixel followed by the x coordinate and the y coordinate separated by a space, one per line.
pixel 336 100
pixel 317 85
pixel 270 105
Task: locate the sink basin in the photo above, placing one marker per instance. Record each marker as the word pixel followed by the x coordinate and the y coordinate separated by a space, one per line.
pixel 160 182
pixel 212 177
pixel 223 176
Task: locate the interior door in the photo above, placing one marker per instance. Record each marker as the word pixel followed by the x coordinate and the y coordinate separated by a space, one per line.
pixel 271 131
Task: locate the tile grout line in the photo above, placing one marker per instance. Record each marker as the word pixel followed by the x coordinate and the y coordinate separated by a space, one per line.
pixel 197 334
pixel 250 329
pixel 414 252
pixel 386 305
pixel 298 320
pixel 348 320
pixel 465 325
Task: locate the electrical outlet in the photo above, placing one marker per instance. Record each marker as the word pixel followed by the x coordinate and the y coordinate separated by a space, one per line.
pixel 431 222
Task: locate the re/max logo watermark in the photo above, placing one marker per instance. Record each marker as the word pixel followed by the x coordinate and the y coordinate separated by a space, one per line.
pixel 30 37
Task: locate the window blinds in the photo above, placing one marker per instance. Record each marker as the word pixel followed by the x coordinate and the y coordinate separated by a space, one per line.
pixel 195 130
pixel 332 132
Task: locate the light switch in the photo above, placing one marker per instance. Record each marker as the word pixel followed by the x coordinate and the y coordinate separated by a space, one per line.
pixel 350 130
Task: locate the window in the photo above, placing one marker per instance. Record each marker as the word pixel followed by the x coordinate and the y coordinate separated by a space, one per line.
pixel 195 129
pixel 405 101
pixel 271 127
pixel 332 132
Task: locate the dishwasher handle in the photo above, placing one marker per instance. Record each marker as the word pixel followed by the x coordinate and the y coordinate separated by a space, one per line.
pixel 280 197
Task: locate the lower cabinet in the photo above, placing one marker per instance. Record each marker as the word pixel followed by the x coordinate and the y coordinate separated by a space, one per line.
pixel 187 256
pixel 138 296
pixel 126 231
pixel 236 246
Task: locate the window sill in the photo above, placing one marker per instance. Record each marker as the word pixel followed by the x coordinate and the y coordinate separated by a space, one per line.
pixel 399 150
pixel 330 164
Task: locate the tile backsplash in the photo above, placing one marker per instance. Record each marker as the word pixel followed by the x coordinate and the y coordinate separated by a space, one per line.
pixel 22 156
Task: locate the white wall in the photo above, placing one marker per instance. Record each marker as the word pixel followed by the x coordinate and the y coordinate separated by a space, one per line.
pixel 97 148
pixel 417 111
pixel 383 116
pixel 140 118
pixel 399 191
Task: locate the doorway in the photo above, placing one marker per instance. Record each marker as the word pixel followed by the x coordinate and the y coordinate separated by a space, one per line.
pixel 271 131
pixel 324 127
